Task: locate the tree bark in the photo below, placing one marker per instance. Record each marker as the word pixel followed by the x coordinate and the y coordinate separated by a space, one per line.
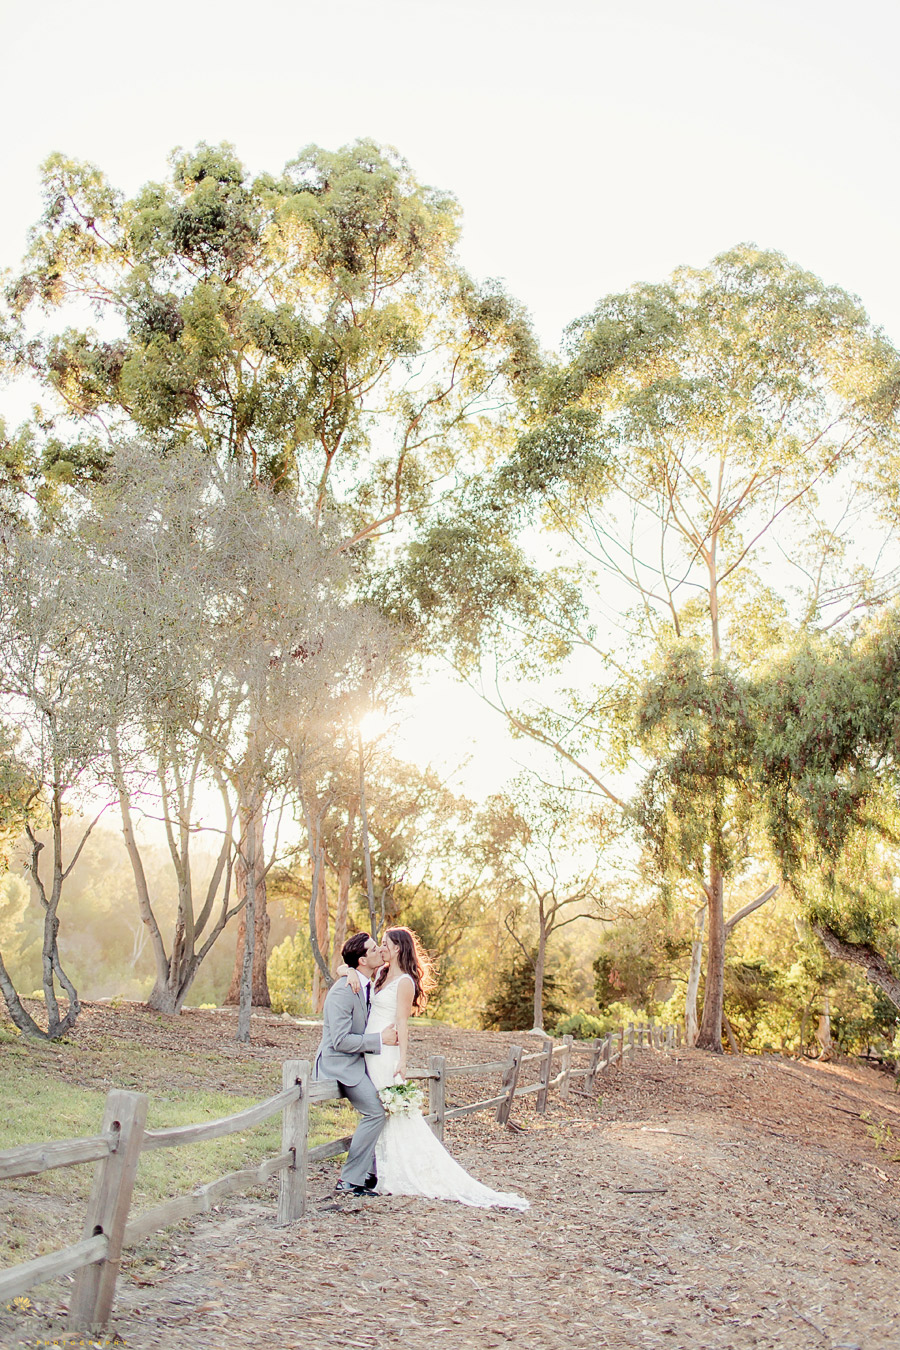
pixel 878 972
pixel 710 1037
pixel 539 964
pixel 320 985
pixel 343 901
pixel 749 909
pixel 691 1025
pixel 250 840
pixel 175 974
pixel 367 856
pixel 823 1035
pixel 51 966
pixel 261 920
pixel 20 1016
pixel 729 1032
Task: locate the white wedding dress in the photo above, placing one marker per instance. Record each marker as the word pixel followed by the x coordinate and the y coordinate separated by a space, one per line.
pixel 410 1159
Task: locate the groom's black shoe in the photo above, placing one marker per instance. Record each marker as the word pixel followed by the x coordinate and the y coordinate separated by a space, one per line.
pixel 371 1182
pixel 345 1188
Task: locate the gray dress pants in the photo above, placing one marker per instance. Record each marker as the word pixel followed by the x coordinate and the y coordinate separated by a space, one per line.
pixel 364 1098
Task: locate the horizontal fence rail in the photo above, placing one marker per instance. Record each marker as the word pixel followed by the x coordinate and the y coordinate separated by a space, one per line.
pixel 17 1279
pixel 116 1150
pixel 217 1129
pixel 203 1199
pixel 32 1159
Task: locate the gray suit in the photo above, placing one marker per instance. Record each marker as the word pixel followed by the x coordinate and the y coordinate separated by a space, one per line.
pixel 340 1056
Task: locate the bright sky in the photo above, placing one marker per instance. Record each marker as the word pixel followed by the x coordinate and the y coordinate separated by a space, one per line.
pixel 592 143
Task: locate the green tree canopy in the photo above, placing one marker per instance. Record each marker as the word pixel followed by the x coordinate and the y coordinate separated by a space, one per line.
pixel 313 324
pixel 828 770
pixel 707 441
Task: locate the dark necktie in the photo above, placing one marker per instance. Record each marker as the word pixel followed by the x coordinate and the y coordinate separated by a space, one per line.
pixel 368 996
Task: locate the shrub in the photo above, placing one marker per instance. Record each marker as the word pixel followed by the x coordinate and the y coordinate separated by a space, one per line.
pixel 290 976
pixel 511 1006
pixel 583 1026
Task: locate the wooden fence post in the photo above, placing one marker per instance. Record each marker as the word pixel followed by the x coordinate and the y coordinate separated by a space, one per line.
pixel 640 1032
pixel 437 1093
pixel 593 1072
pixel 546 1075
pixel 566 1068
pixel 107 1211
pixel 631 1040
pixel 621 1047
pixel 510 1083
pixel 294 1139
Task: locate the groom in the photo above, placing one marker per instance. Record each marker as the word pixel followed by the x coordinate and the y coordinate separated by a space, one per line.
pixel 344 1043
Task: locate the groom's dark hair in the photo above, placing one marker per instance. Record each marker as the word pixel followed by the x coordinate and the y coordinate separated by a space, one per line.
pixel 354 948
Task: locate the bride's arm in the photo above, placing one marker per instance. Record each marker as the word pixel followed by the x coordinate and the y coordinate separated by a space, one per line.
pixel 352 977
pixel 405 991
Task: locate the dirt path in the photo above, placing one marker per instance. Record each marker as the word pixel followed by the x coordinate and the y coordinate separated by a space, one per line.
pixel 708 1202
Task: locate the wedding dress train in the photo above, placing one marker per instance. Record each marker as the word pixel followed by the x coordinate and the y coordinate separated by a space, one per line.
pixel 410 1159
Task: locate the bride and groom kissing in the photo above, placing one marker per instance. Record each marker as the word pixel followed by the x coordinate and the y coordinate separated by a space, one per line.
pixel 365 1043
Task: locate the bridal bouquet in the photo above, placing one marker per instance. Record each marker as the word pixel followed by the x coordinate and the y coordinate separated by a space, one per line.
pixel 402 1099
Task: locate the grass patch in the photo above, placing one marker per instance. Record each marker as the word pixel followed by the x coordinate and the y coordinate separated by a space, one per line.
pixel 46 1212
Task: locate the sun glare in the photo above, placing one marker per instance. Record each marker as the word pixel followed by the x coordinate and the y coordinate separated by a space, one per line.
pixel 374 724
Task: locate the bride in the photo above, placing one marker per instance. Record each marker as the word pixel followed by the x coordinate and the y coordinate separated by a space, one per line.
pixel 410 1159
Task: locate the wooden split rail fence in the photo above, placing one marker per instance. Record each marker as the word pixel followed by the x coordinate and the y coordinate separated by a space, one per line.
pixel 123 1137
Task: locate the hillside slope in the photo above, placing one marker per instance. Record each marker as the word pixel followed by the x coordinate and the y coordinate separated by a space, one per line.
pixel 705 1202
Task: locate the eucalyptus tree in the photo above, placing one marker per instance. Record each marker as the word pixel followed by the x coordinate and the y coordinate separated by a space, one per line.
pixel 311 327
pixel 149 533
pixel 224 604
pixel 51 693
pixel 827 768
pixel 544 861
pixel 355 651
pixel 696 807
pixel 699 460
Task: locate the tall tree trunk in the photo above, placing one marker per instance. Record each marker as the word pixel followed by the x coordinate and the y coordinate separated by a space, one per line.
pixel 51 905
pixel 51 966
pixel 367 856
pixel 343 900
pixel 249 846
pixel 539 966
pixel 169 989
pixel 252 818
pixel 691 1024
pixel 823 1035
pixel 320 985
pixel 710 1037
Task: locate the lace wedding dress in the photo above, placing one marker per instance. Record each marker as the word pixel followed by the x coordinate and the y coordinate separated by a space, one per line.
pixel 411 1160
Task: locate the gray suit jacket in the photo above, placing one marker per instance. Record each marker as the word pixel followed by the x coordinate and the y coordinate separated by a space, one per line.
pixel 344 1036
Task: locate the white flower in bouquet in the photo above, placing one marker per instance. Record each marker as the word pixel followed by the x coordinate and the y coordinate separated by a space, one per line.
pixel 402 1099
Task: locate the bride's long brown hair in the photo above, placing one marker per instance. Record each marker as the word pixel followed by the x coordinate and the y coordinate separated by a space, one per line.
pixel 413 961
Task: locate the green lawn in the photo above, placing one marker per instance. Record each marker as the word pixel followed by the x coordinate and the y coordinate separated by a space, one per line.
pixel 41 1105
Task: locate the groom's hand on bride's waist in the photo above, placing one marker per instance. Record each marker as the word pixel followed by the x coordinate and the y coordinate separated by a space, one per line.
pixel 389 1036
